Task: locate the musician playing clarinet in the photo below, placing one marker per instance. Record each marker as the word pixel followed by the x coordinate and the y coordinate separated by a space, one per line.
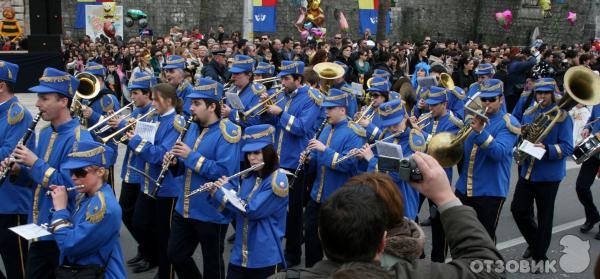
pixel 257 252
pixel 209 151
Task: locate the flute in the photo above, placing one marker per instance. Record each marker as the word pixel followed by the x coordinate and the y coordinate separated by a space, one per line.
pixel 70 189
pixel 210 185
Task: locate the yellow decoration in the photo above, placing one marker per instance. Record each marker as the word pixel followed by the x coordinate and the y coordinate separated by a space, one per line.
pixel 9 26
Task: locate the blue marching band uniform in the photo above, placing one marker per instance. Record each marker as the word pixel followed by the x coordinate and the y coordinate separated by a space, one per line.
pixel 177 222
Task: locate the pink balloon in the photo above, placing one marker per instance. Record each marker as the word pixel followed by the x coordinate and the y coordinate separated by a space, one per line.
pixel 504 19
pixel 572 18
pixel 304 35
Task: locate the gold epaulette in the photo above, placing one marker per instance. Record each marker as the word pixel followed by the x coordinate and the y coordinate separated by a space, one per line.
pixel 456 93
pixel 258 88
pixel 424 116
pixel 456 121
pixel 96 208
pixel 279 184
pixel 16 112
pixel 515 127
pixel 231 132
pixel 359 130
pixel 531 109
pixel 107 103
pixel 315 96
pixel 417 141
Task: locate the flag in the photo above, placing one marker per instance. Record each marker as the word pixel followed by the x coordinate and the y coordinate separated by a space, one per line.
pixel 367 14
pixel 264 15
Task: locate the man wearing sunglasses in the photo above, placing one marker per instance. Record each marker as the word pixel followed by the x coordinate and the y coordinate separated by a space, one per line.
pixel 42 167
pixel 484 181
pixel 15 200
pixel 539 179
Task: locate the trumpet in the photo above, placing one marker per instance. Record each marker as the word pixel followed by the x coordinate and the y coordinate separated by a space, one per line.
pixel 261 107
pixel 129 126
pixel 106 127
pixel 70 189
pixel 208 186
pixel 367 112
pixel 268 80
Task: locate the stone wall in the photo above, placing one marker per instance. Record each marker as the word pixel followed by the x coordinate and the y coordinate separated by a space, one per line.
pixel 411 19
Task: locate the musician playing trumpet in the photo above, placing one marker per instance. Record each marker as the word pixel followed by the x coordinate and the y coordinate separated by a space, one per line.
pixel 248 91
pixel 294 118
pixel 140 87
pixel 369 117
pixel 257 251
pixel 484 181
pixel 209 150
pixel 539 179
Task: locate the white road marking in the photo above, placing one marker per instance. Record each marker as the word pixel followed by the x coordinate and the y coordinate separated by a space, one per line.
pixel 556 229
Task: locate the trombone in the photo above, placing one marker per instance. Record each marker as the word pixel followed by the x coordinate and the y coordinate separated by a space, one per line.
pixel 109 117
pixel 261 107
pixel 268 80
pixel 131 125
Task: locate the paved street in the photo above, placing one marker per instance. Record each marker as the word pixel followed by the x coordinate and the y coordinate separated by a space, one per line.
pixel 568 217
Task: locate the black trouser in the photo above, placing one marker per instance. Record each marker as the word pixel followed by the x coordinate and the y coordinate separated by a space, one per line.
pixel 543 193
pixel 585 179
pixel 438 238
pixel 12 247
pixel 238 272
pixel 312 245
pixel 42 260
pixel 145 227
pixel 487 208
pixel 185 236
pixel 127 201
pixel 164 216
pixel 294 225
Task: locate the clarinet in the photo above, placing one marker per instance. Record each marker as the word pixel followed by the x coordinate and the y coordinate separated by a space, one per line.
pixel 23 140
pixel 165 167
pixel 305 151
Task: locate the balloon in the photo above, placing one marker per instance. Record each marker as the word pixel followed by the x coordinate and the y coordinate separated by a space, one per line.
pixel 572 17
pixel 109 29
pixel 136 14
pixel 128 21
pixel 339 15
pixel 504 19
pixel 143 22
pixel 304 34
pixel 546 6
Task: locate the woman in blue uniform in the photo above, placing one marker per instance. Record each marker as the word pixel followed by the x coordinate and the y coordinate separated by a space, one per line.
pixel 257 251
pixel 89 234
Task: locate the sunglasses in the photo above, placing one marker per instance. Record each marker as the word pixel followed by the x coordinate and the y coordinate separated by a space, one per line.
pixel 79 172
pixel 488 99
pixel 255 152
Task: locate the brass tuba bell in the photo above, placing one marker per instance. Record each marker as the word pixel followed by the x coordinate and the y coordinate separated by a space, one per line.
pixel 328 72
pixel 446 81
pixel 89 87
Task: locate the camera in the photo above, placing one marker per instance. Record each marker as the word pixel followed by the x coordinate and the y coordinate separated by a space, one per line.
pixel 406 168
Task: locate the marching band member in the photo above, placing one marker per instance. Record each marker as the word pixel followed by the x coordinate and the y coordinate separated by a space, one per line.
pixel 265 70
pixel 456 95
pixel 257 252
pixel 587 175
pixel 209 150
pixel 42 167
pixel 539 179
pixel 140 87
pixel 152 215
pixel 294 119
pixel 439 119
pixel 341 84
pixel 484 181
pixel 101 106
pixel 394 121
pixel 336 140
pixel 483 72
pixel 174 71
pixel 248 91
pixel 88 236
pixel 379 92
pixel 15 200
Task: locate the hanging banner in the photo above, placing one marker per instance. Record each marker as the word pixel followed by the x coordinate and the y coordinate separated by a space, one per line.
pixel 264 15
pixel 104 20
pixel 368 18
